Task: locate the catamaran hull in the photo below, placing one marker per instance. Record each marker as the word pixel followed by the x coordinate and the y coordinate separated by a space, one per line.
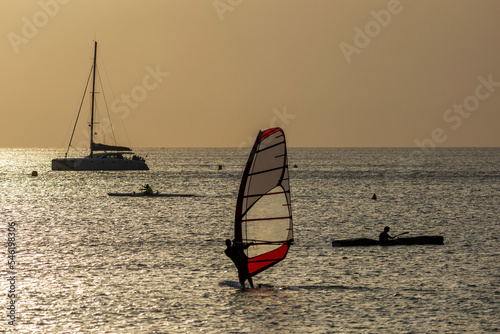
pixel 422 240
pixel 98 164
pixel 63 164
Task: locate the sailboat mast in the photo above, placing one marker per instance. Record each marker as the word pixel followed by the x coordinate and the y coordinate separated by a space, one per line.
pixel 92 103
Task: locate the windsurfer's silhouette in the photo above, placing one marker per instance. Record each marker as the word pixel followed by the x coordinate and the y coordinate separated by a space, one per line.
pixel 235 253
pixel 384 236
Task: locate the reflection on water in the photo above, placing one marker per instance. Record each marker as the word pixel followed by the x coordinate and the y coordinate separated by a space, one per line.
pixel 88 262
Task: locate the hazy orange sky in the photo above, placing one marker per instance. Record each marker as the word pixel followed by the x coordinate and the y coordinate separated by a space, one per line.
pixel 332 73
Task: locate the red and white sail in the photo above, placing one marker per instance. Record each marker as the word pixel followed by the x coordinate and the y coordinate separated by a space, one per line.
pixel 263 211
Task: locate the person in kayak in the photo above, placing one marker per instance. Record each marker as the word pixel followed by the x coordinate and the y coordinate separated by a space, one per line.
pixel 148 190
pixel 384 236
pixel 239 258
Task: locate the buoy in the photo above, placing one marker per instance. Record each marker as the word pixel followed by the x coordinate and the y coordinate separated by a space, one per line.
pixel 34 173
pixel 295 166
pixel 374 196
pixel 220 167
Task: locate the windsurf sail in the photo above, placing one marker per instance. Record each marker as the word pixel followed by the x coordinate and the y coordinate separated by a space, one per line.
pixel 263 222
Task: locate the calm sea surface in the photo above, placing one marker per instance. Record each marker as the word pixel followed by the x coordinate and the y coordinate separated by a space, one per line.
pixel 86 262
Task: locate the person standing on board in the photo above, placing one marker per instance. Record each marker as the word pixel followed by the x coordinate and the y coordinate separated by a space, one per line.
pixel 384 236
pixel 239 258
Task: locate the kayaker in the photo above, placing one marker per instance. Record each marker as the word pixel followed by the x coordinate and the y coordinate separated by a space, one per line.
pixel 148 190
pixel 384 236
pixel 239 258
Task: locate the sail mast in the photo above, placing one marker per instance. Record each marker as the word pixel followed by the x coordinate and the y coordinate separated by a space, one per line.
pixel 92 103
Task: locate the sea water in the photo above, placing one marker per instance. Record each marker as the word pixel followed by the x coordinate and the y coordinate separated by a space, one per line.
pixel 86 262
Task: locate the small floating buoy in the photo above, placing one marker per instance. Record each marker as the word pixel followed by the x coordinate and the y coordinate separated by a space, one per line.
pixel 220 167
pixel 374 196
pixel 295 166
pixel 34 173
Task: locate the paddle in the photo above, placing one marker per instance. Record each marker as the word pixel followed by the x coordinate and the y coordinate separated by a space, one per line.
pixel 400 234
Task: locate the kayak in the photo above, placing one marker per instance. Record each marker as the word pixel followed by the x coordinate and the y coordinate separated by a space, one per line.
pixel 149 195
pixel 422 240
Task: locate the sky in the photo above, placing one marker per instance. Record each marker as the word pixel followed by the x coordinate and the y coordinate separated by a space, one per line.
pixel 211 73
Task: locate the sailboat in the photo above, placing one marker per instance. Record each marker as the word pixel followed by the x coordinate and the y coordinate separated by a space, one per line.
pixel 263 222
pixel 101 157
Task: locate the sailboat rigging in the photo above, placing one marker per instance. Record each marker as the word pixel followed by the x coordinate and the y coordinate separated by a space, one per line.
pixel 263 220
pixel 112 158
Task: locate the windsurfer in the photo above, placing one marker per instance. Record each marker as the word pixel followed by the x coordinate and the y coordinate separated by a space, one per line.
pixel 384 236
pixel 235 253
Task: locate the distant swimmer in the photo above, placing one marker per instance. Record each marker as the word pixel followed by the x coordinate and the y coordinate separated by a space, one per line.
pixel 384 236
pixel 235 253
